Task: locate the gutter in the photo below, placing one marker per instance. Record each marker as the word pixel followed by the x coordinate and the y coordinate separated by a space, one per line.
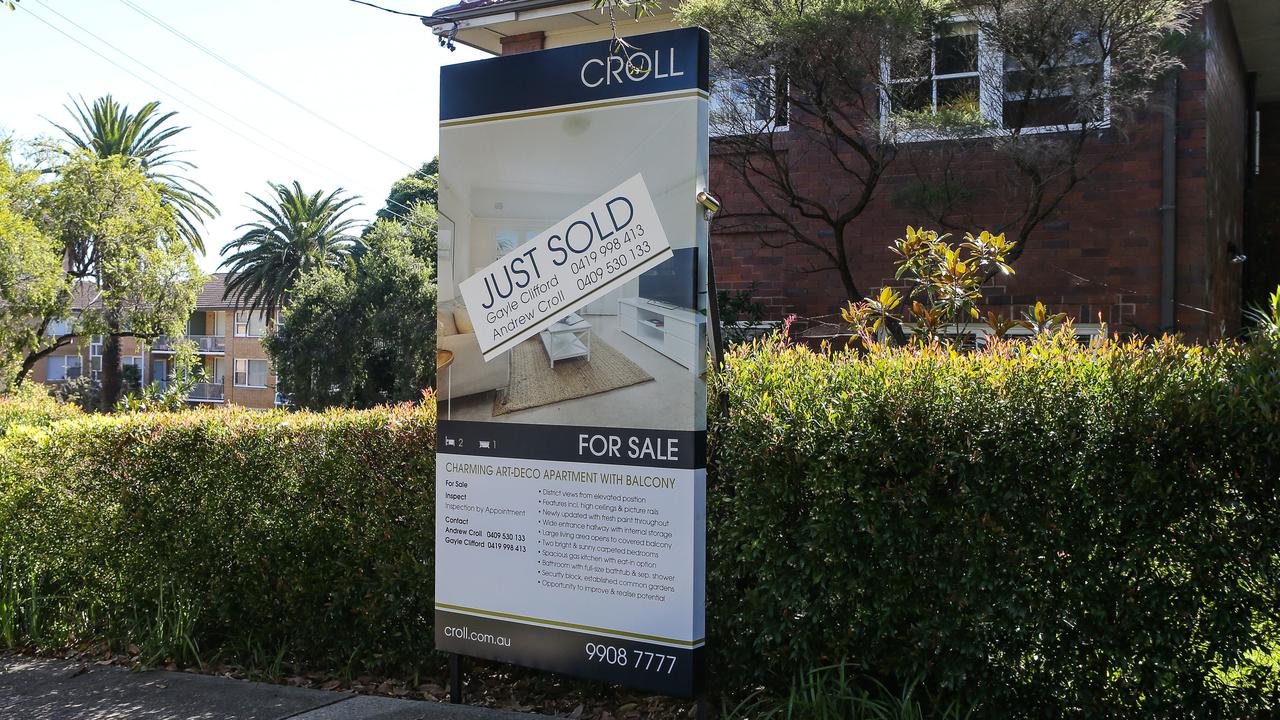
pixel 503 7
pixel 1169 207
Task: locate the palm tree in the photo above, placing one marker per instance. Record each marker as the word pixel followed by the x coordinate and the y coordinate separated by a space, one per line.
pixel 108 128
pixel 295 232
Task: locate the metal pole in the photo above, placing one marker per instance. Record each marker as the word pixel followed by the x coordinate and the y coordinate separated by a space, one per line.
pixel 702 712
pixel 455 678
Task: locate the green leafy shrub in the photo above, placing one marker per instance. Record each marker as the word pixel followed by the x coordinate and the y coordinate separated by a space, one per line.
pixel 33 405
pixel 240 533
pixel 1040 529
pixel 1033 530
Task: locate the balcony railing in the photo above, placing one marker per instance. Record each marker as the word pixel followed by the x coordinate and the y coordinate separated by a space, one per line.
pixel 204 343
pixel 206 392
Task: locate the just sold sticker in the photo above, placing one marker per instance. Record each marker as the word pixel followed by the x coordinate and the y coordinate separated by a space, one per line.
pixel 606 243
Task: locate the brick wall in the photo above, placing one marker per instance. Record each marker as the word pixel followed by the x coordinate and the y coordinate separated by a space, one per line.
pixel 1226 135
pixel 1099 254
pixel 1262 241
pixel 248 348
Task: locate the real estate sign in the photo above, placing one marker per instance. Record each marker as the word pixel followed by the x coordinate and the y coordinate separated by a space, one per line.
pixel 570 476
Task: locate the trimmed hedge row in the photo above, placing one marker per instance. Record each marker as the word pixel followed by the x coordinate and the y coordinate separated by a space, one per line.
pixel 300 535
pixel 1039 530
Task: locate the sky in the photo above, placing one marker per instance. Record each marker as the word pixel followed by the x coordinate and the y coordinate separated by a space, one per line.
pixel 369 82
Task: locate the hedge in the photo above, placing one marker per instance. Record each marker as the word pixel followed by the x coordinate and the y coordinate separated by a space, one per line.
pixel 1042 529
pixel 306 536
pixel 1037 530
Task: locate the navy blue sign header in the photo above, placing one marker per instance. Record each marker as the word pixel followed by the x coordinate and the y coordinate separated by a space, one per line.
pixel 658 63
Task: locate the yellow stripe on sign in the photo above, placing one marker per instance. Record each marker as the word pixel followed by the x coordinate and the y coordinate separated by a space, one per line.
pixel 574 108
pixel 571 626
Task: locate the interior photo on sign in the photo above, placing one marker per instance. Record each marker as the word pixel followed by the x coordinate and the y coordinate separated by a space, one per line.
pixel 637 351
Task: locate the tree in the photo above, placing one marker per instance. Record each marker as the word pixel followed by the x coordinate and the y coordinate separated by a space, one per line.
pixel 361 335
pixel 828 68
pixel 295 233
pixel 109 129
pixel 1079 67
pixel 30 267
pixel 419 186
pixel 123 256
pixel 417 226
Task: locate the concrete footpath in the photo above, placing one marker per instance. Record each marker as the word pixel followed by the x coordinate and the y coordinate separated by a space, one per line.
pixel 44 689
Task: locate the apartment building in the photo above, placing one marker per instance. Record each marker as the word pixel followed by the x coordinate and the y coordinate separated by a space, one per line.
pixel 228 339
pixel 1176 229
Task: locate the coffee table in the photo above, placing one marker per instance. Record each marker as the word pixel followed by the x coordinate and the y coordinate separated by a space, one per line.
pixel 567 340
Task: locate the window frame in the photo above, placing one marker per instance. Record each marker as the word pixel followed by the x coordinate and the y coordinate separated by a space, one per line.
pixel 778 112
pixel 991 96
pixel 63 362
pixel 236 372
pixel 247 323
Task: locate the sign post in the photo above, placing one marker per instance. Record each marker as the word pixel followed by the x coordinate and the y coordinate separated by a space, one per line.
pixel 571 468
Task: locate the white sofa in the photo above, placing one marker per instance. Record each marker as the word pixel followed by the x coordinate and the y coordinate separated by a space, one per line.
pixel 469 373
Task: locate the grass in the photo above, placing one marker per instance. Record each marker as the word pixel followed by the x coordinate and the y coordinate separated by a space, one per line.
pixel 833 693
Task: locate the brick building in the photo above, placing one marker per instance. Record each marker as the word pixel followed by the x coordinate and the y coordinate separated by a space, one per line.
pixel 229 341
pixel 1114 250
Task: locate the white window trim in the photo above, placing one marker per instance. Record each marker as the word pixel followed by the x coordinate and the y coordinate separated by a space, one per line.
pixel 247 323
pixel 991 97
pixel 235 381
pixel 759 125
pixel 79 363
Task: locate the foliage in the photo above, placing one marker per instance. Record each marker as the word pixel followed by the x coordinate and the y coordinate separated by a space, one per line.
pixel 109 129
pixel 418 187
pixel 741 316
pixel 30 267
pixel 171 395
pixel 33 406
pixel 1033 530
pixel 84 392
pixel 417 226
pixel 124 257
pixel 302 536
pixel 1266 318
pixel 944 286
pixel 294 233
pixel 837 693
pixel 356 337
pixel 1037 529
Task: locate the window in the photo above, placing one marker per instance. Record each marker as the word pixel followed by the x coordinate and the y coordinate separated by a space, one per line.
pixel 58 327
pixel 986 90
pixel 132 361
pixel 251 373
pixel 95 356
pixel 742 104
pixel 250 324
pixel 64 367
pixel 1049 96
pixel 944 77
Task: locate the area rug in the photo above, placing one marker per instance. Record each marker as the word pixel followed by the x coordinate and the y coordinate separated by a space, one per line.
pixel 535 383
